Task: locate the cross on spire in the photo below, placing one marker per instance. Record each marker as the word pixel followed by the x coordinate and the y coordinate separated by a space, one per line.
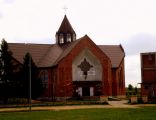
pixel 65 9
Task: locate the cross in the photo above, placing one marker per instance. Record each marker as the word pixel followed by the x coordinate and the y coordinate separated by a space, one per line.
pixel 85 67
pixel 65 9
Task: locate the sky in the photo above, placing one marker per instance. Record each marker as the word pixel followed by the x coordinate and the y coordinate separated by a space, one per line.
pixel 131 23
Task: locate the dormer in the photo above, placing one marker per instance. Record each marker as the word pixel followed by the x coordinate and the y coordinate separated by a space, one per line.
pixel 65 34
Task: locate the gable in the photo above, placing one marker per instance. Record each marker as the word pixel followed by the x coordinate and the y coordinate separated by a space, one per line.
pixel 114 52
pixel 93 65
pixel 47 55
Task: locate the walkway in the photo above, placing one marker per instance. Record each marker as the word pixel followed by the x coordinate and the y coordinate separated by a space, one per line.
pixel 121 104
pixel 112 104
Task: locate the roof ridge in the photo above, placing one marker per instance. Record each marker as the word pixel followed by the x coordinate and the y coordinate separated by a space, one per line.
pixel 31 43
pixel 108 45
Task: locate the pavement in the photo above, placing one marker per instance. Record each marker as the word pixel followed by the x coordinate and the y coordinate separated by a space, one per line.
pixel 121 104
pixel 112 104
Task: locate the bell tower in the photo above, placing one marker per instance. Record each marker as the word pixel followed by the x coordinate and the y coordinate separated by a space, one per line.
pixel 65 33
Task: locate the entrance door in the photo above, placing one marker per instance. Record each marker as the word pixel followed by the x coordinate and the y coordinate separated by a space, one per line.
pixel 86 91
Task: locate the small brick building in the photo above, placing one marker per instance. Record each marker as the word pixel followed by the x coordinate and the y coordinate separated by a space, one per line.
pixel 76 66
pixel 148 75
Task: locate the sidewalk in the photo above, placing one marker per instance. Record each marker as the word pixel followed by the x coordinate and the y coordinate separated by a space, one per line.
pixel 112 104
pixel 55 108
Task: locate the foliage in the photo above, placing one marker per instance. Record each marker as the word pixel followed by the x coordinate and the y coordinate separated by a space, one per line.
pixel 145 113
pixel 6 64
pixel 130 87
pixel 36 83
pixel 14 77
pixel 8 76
pixel 132 90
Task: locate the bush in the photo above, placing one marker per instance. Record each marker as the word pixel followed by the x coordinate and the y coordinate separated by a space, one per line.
pixel 17 101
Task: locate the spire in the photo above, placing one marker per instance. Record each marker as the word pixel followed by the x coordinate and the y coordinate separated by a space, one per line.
pixel 65 26
pixel 65 33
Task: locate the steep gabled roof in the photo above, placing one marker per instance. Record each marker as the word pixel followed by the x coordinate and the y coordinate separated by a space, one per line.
pixel 114 52
pixel 47 55
pixel 44 55
pixel 51 56
pixel 65 26
pixel 67 50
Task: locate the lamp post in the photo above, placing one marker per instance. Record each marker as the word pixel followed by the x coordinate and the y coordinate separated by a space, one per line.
pixel 29 71
pixel 29 82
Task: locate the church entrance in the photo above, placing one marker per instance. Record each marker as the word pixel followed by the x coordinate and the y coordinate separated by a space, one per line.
pixel 85 91
pixel 87 75
pixel 87 88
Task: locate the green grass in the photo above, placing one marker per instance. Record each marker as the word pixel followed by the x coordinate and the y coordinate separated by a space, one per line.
pixel 145 113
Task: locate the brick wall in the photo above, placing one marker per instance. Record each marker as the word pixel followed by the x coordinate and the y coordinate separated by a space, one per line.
pixel 118 80
pixel 148 74
pixel 64 80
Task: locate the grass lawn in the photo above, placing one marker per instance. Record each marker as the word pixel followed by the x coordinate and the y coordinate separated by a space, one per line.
pixel 145 113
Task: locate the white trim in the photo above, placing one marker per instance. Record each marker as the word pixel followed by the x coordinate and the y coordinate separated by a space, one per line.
pixel 91 91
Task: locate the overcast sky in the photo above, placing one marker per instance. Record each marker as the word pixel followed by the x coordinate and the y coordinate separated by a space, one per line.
pixel 131 23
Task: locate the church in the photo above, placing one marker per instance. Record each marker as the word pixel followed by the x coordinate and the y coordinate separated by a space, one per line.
pixel 76 67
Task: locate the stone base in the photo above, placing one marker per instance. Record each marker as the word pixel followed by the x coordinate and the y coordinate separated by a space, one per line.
pixel 104 98
pixel 121 96
pixel 62 98
pixel 134 99
pixel 144 99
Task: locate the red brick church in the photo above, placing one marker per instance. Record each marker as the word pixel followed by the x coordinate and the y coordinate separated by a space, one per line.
pixel 76 66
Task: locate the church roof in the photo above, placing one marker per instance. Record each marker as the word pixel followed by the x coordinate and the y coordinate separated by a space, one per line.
pixel 46 55
pixel 114 52
pixel 65 26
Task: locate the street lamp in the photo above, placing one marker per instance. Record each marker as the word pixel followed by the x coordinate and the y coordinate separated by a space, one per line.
pixel 29 82
pixel 29 65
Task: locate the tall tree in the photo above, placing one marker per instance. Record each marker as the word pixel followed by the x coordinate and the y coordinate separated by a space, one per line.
pixel 130 87
pixel 36 83
pixel 6 64
pixel 6 68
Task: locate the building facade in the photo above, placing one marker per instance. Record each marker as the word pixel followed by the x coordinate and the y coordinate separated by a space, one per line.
pixel 76 67
pixel 148 75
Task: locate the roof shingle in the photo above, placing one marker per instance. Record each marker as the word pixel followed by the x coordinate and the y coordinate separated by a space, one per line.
pixel 47 55
pixel 40 52
pixel 114 52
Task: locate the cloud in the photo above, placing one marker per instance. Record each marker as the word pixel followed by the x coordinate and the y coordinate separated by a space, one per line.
pixel 1 14
pixel 9 1
pixel 132 70
pixel 134 45
pixel 139 43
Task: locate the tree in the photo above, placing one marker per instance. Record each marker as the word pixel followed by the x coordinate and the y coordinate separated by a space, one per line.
pixel 6 69
pixel 130 87
pixel 6 64
pixel 135 90
pixel 36 83
pixel 0 68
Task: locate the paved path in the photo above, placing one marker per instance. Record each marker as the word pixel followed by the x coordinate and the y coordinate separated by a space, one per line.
pixel 55 108
pixel 112 104
pixel 121 104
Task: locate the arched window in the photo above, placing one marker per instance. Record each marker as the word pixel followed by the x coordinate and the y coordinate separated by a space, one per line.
pixel 44 78
pixel 74 37
pixel 61 39
pixel 68 38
